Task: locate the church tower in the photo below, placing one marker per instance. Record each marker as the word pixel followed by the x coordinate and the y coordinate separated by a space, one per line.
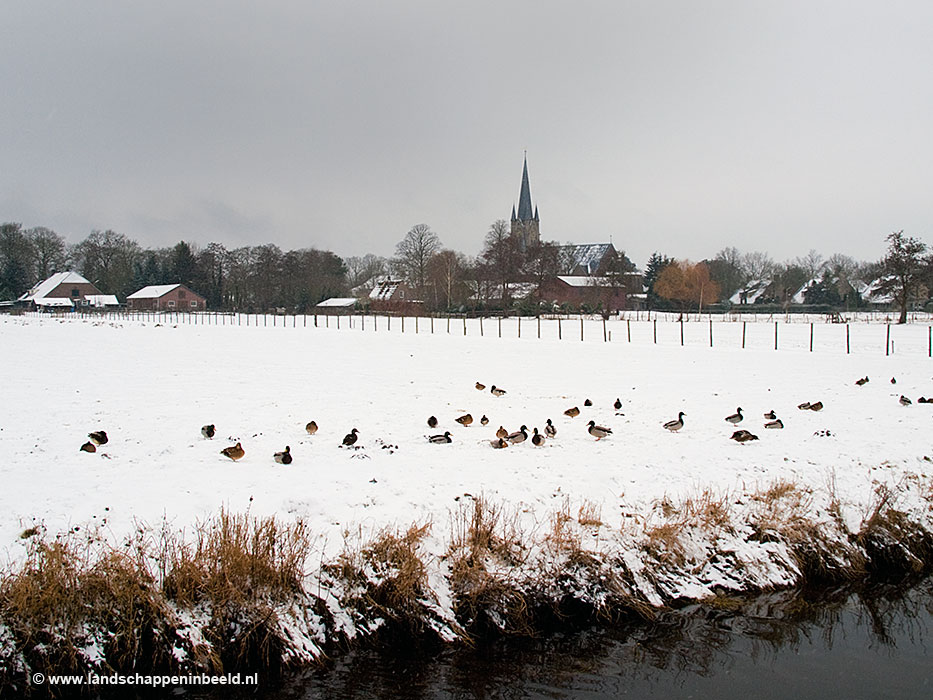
pixel 525 222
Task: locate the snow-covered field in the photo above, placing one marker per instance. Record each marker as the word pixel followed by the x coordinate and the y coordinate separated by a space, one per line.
pixel 152 386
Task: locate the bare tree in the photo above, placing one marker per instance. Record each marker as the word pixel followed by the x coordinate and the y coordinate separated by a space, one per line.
pixel 365 269
pixel 812 262
pixel 107 259
pixel 904 268
pixel 413 253
pixel 502 257
pixel 49 251
pixel 757 265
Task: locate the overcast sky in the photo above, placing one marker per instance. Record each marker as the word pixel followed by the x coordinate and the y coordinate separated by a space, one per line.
pixel 679 126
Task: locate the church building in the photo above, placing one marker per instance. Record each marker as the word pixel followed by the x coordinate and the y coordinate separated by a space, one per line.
pixel 525 222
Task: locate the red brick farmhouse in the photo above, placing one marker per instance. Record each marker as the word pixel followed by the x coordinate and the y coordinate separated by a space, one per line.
pixel 166 297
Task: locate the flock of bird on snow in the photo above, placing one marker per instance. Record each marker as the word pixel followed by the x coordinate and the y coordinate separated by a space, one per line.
pixel 504 438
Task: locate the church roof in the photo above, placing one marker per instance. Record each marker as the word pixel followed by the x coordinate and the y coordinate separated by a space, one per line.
pixel 585 259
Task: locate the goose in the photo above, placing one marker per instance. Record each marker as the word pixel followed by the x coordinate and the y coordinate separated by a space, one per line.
pixel 771 415
pixel 502 432
pixel 904 401
pixel 598 431
pixel 675 425
pixel 805 406
pixel 432 422
pixel 550 430
pixel 484 420
pixel 519 436
pixel 88 447
pixel 350 438
pixel 465 420
pixel 743 436
pixel 587 403
pixel 572 412
pixel 862 381
pixel 236 452
pixel 617 405
pixel 735 417
pixel 496 391
pixel 98 437
pixel 440 439
pixel 537 439
pixel 208 431
pixel 283 457
pixel 776 424
pixel 818 406
pixel 499 443
pixel 311 428
pixel 480 387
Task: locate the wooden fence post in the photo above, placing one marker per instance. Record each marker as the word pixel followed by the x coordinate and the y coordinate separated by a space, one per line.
pixel 539 327
pixel 519 326
pixel 711 332
pixel 887 342
pixel 775 335
pixel 655 331
pixel 628 329
pixel 811 336
pixel 743 335
pixel 847 339
pixel 604 330
pixel 500 326
pixel 681 331
pixel 581 328
pixel 559 334
pixel 480 326
pixel 464 324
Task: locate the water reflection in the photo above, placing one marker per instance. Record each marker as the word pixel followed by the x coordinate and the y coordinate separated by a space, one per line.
pixel 870 643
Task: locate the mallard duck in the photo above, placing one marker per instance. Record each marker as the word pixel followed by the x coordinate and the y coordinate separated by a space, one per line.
pixel 550 430
pixel 818 406
pixel 502 432
pixel 776 424
pixel 88 447
pixel 770 415
pixel 480 387
pixel 893 380
pixel 598 431
pixel 537 439
pixel 311 428
pixel 735 417
pixel 923 399
pixel 208 431
pixel 743 436
pixel 617 405
pixel 904 401
pixel 496 391
pixel 675 425
pixel 283 457
pixel 440 439
pixel 350 438
pixel 518 436
pixel 862 381
pixel 587 402
pixel 499 443
pixel 805 406
pixel 236 452
pixel 98 437
pixel 465 420
pixel 432 422
pixel 484 420
pixel 572 412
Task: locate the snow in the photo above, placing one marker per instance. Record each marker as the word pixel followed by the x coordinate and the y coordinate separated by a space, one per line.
pixel 152 384
pixel 153 291
pixel 46 286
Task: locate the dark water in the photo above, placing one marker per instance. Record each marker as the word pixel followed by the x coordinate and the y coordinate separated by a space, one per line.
pixel 873 643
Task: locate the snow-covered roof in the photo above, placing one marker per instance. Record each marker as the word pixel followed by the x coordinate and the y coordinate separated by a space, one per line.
pixel 583 281
pixel 102 299
pixel 153 291
pixel 752 291
pixel 876 296
pixel 587 256
pixel 384 290
pixel 798 297
pixel 53 301
pixel 46 286
pixel 340 302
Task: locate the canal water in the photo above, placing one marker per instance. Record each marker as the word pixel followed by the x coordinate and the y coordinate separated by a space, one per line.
pixel 870 643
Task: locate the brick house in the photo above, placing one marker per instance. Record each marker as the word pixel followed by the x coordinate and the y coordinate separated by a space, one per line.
pixel 577 290
pixel 63 289
pixel 166 297
pixel 394 296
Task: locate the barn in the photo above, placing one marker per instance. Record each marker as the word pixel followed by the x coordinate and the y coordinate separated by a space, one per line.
pixel 61 290
pixel 166 297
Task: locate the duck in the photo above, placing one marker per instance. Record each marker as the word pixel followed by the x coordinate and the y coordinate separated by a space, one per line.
pixel 499 443
pixel 236 452
pixel 98 437
pixel 537 439
pixel 480 387
pixel 496 391
pixel 923 399
pixel 432 422
pixel 617 405
pixel 484 420
pixel 818 406
pixel 502 432
pixel 550 430
pixel 770 415
pixel 675 425
pixel 862 381
pixel 805 406
pixel 350 438
pixel 88 447
pixel 735 417
pixel 440 439
pixel 893 380
pixel 283 457
pixel 587 403
pixel 208 431
pixel 743 436
pixel 776 424
pixel 904 401
pixel 598 431
pixel 572 412
pixel 311 428
pixel 465 420
pixel 518 436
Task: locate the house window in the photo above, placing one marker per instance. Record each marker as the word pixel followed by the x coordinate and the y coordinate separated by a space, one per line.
pixel 401 294
pixel 75 293
pixel 194 304
pixel 171 303
pixel 181 293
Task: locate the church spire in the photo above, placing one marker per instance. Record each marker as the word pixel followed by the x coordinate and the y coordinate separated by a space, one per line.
pixel 525 212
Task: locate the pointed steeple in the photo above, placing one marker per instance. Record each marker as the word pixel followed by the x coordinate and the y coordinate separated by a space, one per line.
pixel 513 213
pixel 524 199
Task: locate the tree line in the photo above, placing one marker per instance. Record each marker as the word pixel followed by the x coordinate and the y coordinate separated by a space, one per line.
pixel 503 275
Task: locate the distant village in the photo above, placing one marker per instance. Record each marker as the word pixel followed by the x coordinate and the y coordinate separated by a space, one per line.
pixel 516 272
